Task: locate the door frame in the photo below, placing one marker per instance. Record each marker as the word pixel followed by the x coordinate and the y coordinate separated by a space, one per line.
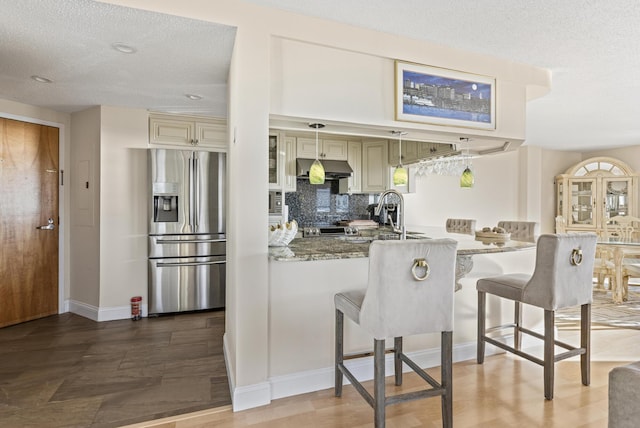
pixel 63 239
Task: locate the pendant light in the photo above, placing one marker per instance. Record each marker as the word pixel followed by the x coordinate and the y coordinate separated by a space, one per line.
pixel 316 172
pixel 466 179
pixel 400 175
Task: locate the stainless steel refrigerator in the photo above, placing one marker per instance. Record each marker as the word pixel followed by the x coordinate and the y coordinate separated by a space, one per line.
pixel 187 241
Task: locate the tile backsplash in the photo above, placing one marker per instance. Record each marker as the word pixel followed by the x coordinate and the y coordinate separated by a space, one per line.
pixel 320 204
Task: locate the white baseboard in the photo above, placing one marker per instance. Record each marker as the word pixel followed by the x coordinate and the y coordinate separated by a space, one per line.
pixel 245 397
pixel 102 314
pixel 83 309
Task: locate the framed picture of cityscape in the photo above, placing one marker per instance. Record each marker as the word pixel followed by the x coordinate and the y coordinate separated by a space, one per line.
pixel 444 97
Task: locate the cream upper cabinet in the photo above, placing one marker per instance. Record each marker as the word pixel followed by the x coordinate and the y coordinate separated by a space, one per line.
pixel 413 151
pixel 211 134
pixel 327 149
pixel 409 152
pixel 290 164
pixel 375 166
pixel 185 130
pixel 427 150
pixel 276 171
pixel 353 184
pixel 595 190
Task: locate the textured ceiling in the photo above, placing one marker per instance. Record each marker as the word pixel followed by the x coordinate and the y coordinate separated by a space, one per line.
pixel 592 48
pixel 70 43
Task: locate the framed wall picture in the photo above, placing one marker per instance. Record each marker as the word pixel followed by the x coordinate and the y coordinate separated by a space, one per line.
pixel 444 97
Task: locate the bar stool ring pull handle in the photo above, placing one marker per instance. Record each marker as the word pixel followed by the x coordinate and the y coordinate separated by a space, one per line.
pixel 420 263
pixel 576 257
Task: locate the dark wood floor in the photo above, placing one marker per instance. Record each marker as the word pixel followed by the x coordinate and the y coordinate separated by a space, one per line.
pixel 68 371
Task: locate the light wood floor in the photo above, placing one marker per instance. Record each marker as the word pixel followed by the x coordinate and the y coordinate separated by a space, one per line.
pixel 505 391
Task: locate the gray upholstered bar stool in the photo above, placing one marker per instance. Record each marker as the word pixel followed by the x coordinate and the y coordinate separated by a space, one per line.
pixel 527 231
pixel 562 277
pixel 409 291
pixel 465 226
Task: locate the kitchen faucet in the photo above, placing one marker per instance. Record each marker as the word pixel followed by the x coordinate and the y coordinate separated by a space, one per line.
pixel 400 207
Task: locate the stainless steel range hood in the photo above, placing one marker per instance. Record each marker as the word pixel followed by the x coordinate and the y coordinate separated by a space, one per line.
pixel 333 169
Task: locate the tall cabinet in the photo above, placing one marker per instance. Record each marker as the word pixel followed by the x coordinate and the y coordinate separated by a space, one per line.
pixel 595 190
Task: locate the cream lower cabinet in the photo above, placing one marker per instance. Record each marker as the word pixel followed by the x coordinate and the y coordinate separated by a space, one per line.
pixel 375 166
pixel 595 190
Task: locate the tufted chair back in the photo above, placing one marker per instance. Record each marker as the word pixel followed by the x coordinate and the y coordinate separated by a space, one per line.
pixel 527 231
pixel 396 303
pixel 556 282
pixel 461 225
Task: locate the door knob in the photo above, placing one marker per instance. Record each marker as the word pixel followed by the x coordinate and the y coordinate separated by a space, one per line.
pixel 48 226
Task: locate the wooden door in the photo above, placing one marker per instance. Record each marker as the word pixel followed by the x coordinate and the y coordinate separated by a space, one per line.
pixel 28 199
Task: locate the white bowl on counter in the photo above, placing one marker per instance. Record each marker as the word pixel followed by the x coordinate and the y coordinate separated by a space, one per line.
pixel 281 234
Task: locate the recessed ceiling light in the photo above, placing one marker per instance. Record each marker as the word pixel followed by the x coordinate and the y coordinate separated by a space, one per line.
pixel 121 47
pixel 41 79
pixel 193 97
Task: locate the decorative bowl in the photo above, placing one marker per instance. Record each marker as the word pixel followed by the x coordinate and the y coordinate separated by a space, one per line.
pixel 281 234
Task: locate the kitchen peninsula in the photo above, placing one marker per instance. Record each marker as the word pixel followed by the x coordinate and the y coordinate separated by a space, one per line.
pixel 305 276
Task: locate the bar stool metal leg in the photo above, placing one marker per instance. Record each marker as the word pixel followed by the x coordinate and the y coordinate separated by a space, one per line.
pixel 585 343
pixel 482 301
pixel 549 357
pixel 378 383
pixel 517 319
pixel 397 351
pixel 339 352
pixel 446 370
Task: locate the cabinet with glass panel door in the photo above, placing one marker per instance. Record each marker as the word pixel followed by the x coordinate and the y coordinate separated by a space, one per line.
pixel 595 190
pixel 276 172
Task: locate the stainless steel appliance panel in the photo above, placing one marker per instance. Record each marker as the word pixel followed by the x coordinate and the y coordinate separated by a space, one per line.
pixel 188 191
pixel 210 170
pixel 164 246
pixel 186 284
pixel 187 242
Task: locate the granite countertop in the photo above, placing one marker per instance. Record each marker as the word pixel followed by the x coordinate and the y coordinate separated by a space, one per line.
pixel 349 247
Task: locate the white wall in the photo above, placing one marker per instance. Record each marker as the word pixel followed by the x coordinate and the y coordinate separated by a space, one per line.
pixel 85 212
pixel 354 83
pixel 494 196
pixel 124 137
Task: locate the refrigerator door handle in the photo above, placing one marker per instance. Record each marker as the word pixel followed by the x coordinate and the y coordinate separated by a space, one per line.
pixel 192 203
pixel 196 190
pixel 188 241
pixel 178 264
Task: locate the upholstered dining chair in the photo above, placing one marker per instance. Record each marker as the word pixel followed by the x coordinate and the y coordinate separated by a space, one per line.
pixel 561 224
pixel 409 291
pixel 527 231
pixel 562 278
pixel 624 229
pixel 461 225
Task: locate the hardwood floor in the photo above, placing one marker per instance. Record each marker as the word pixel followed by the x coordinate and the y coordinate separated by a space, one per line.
pixel 505 391
pixel 68 371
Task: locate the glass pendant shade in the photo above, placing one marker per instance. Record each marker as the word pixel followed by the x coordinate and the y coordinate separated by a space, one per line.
pixel 316 173
pixel 400 176
pixel 466 179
